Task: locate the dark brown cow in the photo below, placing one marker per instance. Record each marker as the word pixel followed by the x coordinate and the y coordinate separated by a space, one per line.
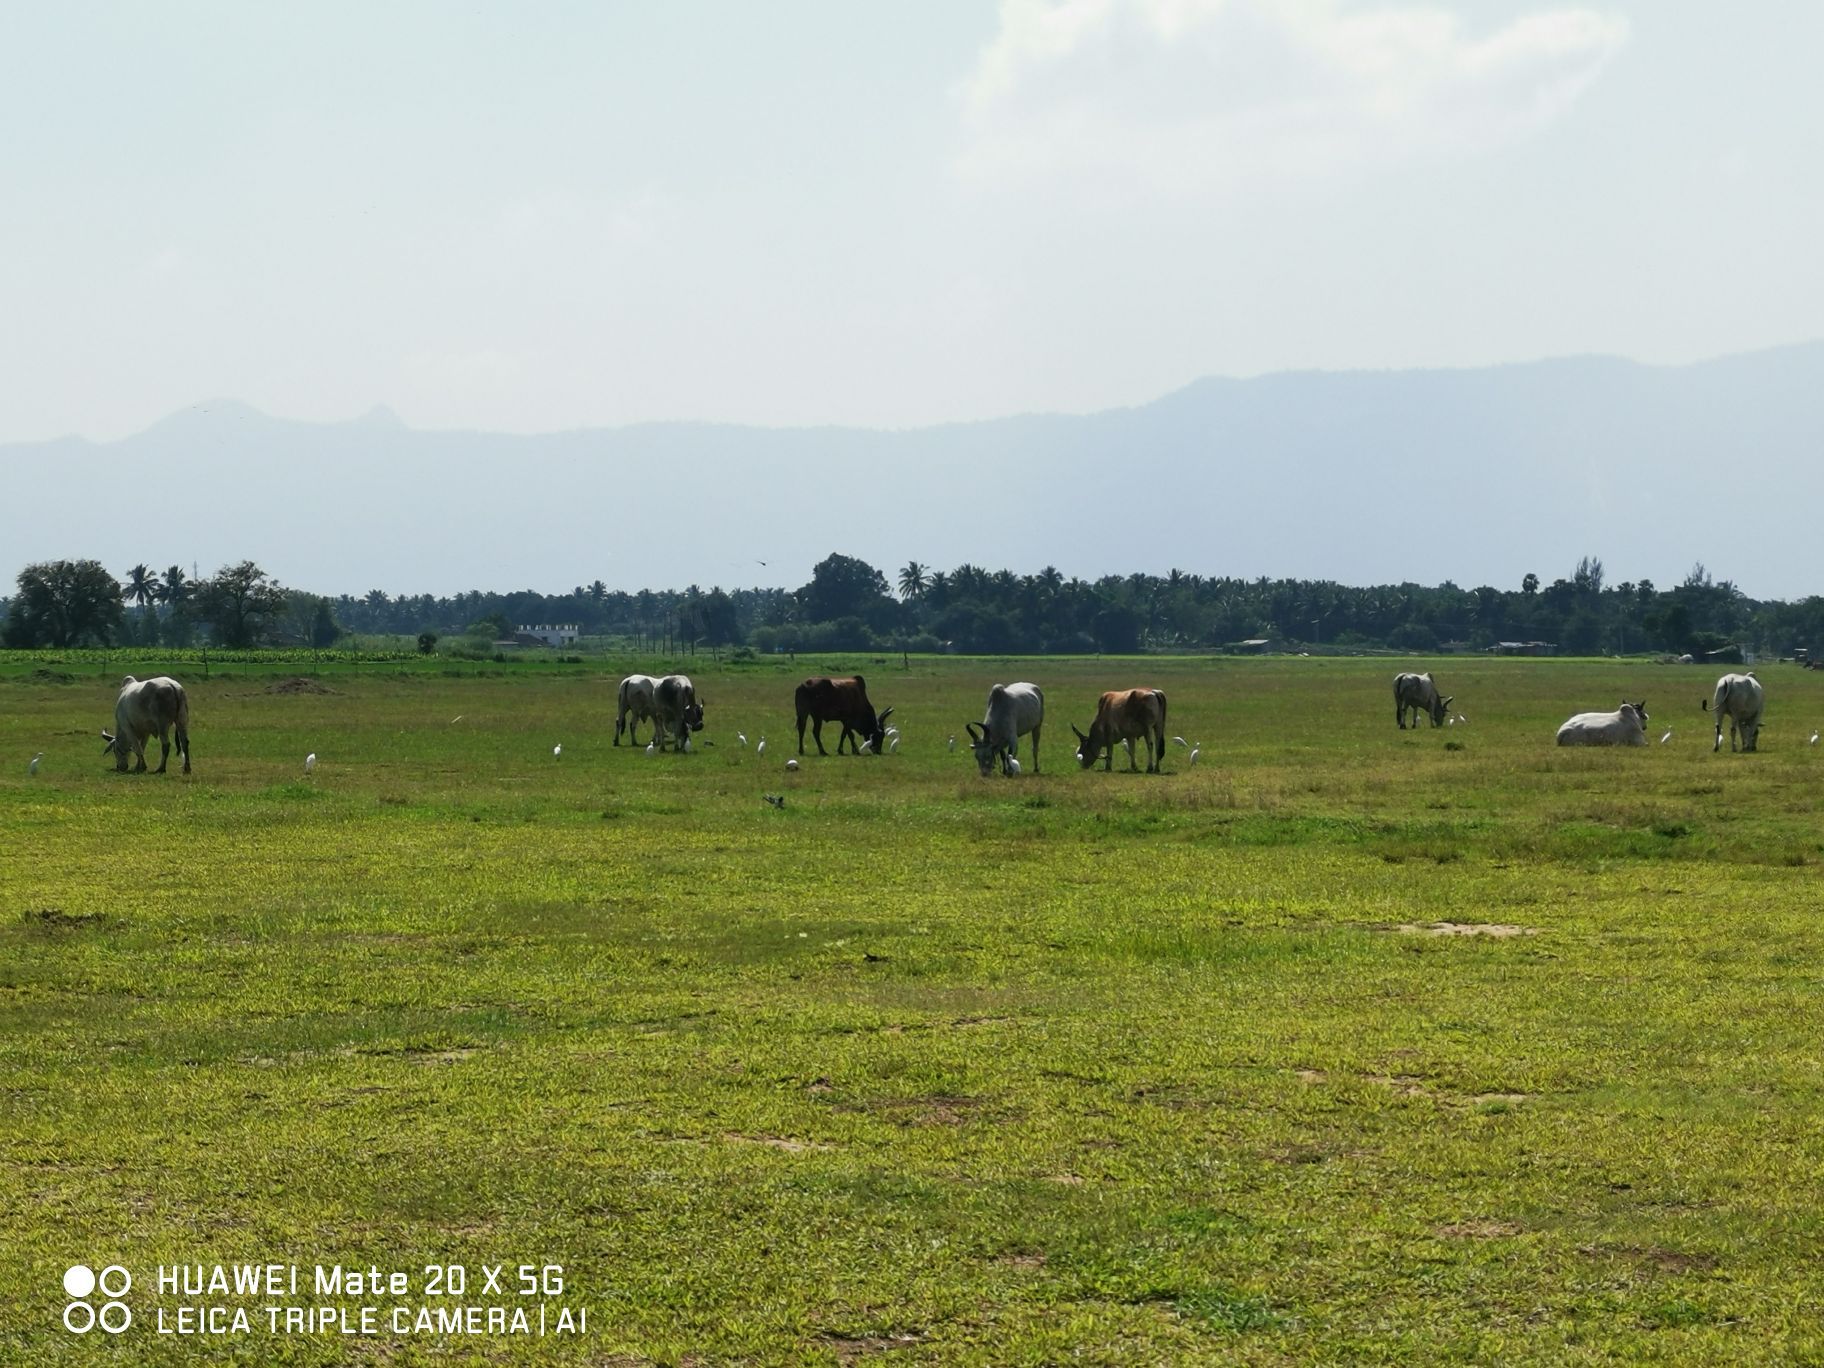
pixel 1122 715
pixel 822 699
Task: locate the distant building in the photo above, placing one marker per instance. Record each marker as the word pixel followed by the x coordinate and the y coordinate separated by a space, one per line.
pixel 563 634
pixel 1523 648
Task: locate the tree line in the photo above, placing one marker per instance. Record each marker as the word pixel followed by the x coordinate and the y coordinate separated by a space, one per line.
pixel 851 605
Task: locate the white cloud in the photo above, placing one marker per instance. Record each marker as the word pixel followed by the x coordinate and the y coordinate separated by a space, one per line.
pixel 1184 94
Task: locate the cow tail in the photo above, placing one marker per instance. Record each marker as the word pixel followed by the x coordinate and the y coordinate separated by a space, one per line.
pixel 1161 693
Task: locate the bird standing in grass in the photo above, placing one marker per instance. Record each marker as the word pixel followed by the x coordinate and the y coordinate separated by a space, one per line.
pixel 557 750
pixel 953 743
pixel 741 737
pixel 33 767
pixel 310 762
pixel 761 748
pixel 1814 739
pixel 652 748
pixel 1196 751
pixel 1667 737
pixel 776 799
pixel 1181 741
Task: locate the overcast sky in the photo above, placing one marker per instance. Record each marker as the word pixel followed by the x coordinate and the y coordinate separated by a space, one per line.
pixel 537 217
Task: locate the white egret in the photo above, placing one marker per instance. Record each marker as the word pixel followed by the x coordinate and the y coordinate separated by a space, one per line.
pixel 893 745
pixel 865 746
pixel 1814 739
pixel 558 749
pixel 454 720
pixel 792 764
pixel 33 767
pixel 953 743
pixel 1667 737
pixel 1013 766
pixel 1181 741
pixel 1196 751
pixel 652 748
pixel 310 762
pixel 761 748
pixel 741 737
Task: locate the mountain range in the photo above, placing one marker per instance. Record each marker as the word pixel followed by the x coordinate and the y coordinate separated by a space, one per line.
pixel 1474 476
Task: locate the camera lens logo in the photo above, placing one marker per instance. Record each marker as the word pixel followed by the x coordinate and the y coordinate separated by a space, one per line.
pixel 80 1317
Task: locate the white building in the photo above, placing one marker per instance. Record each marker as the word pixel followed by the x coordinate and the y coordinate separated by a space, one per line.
pixel 562 634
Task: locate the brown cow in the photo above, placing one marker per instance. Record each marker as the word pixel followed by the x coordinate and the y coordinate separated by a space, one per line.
pixel 1122 715
pixel 822 699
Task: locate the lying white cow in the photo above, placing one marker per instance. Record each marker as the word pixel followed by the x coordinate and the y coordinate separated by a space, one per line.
pixel 1013 710
pixel 1626 726
pixel 635 696
pixel 1739 698
pixel 1415 693
pixel 148 707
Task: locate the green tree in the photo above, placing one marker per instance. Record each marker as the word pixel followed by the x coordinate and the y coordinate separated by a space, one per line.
pixel 913 580
pixel 142 587
pixel 241 604
pixel 65 603
pixel 324 629
pixel 841 587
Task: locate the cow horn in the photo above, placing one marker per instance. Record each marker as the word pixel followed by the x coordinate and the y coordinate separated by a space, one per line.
pixel 1084 739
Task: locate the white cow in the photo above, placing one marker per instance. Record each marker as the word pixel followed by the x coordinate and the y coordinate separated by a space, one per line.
pixel 1013 710
pixel 676 710
pixel 144 708
pixel 1626 726
pixel 1739 698
pixel 635 696
pixel 1416 693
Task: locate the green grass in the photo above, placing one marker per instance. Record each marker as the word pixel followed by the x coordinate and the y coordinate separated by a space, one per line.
pixel 926 1067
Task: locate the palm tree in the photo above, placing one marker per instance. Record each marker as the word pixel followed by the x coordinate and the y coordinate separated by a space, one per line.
pixel 913 580
pixel 142 587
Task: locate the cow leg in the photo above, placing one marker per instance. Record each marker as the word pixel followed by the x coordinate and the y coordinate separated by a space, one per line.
pixel 183 747
pixel 817 735
pixel 1035 749
pixel 1132 768
pixel 164 750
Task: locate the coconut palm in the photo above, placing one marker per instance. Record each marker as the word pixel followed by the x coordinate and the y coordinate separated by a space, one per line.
pixel 142 587
pixel 914 580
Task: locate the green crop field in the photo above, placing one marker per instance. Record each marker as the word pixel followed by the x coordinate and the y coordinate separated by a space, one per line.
pixel 1347 1044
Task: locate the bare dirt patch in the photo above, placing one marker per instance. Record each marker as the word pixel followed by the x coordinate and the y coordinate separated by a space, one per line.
pixel 298 684
pixel 1656 1256
pixel 1311 1076
pixel 854 1348
pixel 1493 930
pixel 778 1142
pixel 1478 1230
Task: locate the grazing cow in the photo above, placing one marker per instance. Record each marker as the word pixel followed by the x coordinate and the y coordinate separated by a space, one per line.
pixel 675 709
pixel 1739 698
pixel 1626 726
pixel 1121 715
pixel 1416 692
pixel 1013 710
pixel 634 696
pixel 822 699
pixel 146 707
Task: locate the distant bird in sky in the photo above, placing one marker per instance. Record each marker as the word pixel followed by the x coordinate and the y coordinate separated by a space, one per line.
pixel 776 799
pixel 1667 737
pixel 761 748
pixel 33 767
pixel 310 762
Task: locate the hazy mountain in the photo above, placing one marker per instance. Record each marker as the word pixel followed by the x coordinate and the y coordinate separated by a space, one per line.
pixel 1477 476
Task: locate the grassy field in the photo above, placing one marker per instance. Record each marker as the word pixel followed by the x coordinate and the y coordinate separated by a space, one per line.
pixel 927 1068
